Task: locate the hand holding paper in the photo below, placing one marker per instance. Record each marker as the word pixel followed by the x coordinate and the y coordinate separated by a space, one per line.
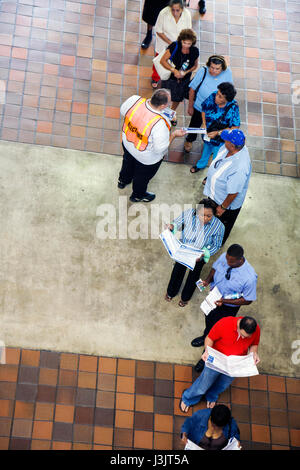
pixel 234 366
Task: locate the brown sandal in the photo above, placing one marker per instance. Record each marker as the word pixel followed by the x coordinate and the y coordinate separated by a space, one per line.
pixel 168 298
pixel 181 303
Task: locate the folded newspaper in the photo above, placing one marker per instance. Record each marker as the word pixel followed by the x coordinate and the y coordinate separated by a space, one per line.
pixel 233 444
pixel 209 303
pixel 183 254
pixel 234 366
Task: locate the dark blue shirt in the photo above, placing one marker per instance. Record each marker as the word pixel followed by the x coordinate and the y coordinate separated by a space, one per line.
pixel 213 112
pixel 197 425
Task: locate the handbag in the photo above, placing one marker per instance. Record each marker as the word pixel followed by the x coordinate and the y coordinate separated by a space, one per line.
pixel 161 70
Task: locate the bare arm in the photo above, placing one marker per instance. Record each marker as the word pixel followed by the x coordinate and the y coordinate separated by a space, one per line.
pixel 164 62
pixel 164 38
pixel 191 101
pixel 254 349
pixel 226 203
pixel 208 342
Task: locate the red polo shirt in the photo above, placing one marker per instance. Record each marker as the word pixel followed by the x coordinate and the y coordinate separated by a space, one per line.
pixel 226 339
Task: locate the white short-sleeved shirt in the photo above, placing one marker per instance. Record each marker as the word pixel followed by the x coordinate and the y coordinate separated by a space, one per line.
pixel 158 141
pixel 167 25
pixel 229 175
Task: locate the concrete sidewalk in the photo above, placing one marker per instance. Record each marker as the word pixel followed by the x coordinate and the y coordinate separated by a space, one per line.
pixel 63 288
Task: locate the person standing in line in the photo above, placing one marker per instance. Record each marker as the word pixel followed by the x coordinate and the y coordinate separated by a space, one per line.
pixel 184 55
pixel 205 83
pixel 236 280
pixel 211 428
pixel 200 228
pixel 220 112
pixel 145 139
pixel 228 178
pixel 171 20
pixel 231 336
pixel 150 13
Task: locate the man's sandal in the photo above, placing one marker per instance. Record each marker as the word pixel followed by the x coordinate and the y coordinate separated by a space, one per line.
pixel 181 303
pixel 168 298
pixel 195 169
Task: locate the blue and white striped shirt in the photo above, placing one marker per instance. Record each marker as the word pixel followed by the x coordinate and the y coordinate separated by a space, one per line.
pixel 200 235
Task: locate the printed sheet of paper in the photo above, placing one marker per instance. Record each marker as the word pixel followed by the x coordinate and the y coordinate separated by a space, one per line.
pixel 209 303
pixel 190 445
pixel 181 253
pixel 194 130
pixel 234 366
pixel 232 445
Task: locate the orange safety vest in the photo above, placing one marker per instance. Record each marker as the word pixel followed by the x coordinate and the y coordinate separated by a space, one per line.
pixel 139 122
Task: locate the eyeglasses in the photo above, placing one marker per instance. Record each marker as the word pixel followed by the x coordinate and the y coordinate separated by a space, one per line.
pixel 218 162
pixel 228 274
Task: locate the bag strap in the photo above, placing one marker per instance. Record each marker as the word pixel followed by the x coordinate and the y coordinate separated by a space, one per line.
pixel 203 78
pixel 174 52
pixel 223 116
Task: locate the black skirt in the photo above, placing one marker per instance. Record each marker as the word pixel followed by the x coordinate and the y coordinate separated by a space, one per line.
pixel 151 10
pixel 179 90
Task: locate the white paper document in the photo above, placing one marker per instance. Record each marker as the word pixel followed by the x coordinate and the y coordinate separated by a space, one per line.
pixel 233 444
pixel 194 130
pixel 209 303
pixel 234 366
pixel 181 253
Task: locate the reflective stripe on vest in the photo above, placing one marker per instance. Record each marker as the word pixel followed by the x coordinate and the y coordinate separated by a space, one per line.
pixel 138 124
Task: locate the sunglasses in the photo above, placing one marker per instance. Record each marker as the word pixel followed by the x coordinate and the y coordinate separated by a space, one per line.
pixel 218 162
pixel 228 274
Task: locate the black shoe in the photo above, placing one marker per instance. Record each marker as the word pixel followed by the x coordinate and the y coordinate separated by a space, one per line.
pixel 199 366
pixel 202 9
pixel 147 198
pixel 147 41
pixel 121 185
pixel 197 342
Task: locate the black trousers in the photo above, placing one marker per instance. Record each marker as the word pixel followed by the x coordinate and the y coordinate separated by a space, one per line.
pixel 215 315
pixel 137 173
pixel 190 284
pixel 196 121
pixel 228 218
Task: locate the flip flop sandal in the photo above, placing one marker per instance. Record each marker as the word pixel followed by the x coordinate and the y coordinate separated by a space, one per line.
pixel 195 169
pixel 204 181
pixel 154 84
pixel 168 298
pixel 186 410
pixel 181 303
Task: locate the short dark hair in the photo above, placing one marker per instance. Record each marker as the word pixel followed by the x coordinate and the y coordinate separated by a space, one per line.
pixel 248 324
pixel 160 97
pixel 220 415
pixel 218 60
pixel 236 251
pixel 187 35
pixel 175 2
pixel 209 204
pixel 227 90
